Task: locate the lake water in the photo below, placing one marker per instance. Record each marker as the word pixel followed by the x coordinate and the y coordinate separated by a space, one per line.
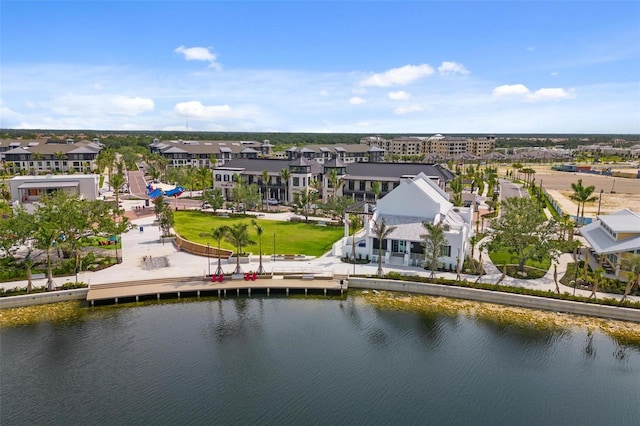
pixel 309 361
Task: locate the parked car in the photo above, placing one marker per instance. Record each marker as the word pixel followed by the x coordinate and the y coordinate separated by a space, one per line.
pixel 273 201
pixel 206 206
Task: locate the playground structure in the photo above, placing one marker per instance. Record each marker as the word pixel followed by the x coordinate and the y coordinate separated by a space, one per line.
pixel 154 193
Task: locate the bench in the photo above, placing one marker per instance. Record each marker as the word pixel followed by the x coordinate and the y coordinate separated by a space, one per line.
pixel 237 276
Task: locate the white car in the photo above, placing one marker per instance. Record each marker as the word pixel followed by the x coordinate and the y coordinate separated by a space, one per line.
pixel 273 202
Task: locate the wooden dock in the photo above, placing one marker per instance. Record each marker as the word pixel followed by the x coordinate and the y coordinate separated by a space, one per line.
pixel 131 291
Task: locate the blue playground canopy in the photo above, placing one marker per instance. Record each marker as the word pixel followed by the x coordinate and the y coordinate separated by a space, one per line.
pixel 155 193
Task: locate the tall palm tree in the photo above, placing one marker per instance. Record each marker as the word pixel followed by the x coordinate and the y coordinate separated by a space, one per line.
pixel 238 235
pixel 203 175
pixel 582 195
pixel 45 237
pixel 375 188
pixel 381 231
pixel 597 276
pixel 285 174
pixel 117 182
pixel 217 234
pixel 260 231
pixel 631 263
pixel 435 243
pixel 456 186
pixel 265 180
pixel 334 182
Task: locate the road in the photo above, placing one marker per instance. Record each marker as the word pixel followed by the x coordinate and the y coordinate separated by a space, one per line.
pixel 509 189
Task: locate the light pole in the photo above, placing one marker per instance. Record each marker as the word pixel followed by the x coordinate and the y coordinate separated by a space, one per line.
pixel 612 185
pixel 600 202
pixel 209 257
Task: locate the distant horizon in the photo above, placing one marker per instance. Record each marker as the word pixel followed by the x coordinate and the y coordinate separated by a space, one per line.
pixel 113 131
pixel 359 67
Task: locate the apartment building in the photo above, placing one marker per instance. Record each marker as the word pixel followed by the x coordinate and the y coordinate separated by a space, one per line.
pixel 346 153
pixel 446 146
pixel 356 180
pixel 182 153
pixel 49 155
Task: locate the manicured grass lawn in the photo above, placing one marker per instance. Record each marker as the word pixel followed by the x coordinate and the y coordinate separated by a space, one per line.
pixel 501 257
pixel 291 237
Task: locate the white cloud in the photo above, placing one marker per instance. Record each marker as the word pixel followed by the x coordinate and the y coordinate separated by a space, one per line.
pixel 544 94
pixel 555 73
pixel 398 76
pixel 407 109
pixel 511 90
pixel 198 54
pixel 549 95
pixel 356 101
pixel 452 68
pixel 196 110
pixel 400 95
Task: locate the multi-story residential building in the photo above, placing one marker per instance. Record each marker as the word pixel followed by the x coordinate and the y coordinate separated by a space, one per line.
pixel 446 146
pixel 346 153
pixel 355 179
pixel 181 153
pixel 50 155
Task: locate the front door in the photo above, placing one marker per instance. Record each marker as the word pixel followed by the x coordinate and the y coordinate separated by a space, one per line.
pixel 398 246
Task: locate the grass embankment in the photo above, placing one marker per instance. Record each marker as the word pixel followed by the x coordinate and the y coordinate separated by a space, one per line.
pixel 627 333
pixel 291 237
pixel 533 268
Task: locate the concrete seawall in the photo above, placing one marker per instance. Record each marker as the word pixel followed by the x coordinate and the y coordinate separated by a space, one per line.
pixel 43 298
pixel 512 299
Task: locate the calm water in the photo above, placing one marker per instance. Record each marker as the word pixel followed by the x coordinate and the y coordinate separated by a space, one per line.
pixel 285 361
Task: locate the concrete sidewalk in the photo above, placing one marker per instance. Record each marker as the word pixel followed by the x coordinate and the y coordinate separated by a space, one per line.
pixel 146 256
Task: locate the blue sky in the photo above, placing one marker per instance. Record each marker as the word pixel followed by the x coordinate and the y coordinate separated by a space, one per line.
pixel 330 66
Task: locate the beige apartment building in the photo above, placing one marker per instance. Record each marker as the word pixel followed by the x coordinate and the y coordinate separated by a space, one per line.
pixel 446 146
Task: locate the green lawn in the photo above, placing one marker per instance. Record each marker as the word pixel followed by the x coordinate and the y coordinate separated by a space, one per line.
pixel 501 257
pixel 291 237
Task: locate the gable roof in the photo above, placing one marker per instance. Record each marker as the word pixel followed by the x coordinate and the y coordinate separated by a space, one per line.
pixel 421 196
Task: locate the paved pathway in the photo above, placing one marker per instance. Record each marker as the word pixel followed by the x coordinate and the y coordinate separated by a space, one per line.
pixel 140 246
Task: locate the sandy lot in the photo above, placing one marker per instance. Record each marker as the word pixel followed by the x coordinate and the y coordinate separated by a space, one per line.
pixel 558 184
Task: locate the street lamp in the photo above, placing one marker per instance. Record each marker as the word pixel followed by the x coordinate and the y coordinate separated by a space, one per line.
pixel 600 201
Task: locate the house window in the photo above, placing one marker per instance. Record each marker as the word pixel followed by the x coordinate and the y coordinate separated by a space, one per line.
pixel 447 251
pixel 351 185
pixel 218 177
pixel 296 181
pixel 385 186
pixel 226 178
pixel 363 185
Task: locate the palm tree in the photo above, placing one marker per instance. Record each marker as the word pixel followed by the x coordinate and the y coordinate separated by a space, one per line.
pixel 631 263
pixel 217 234
pixel 582 195
pixel 265 180
pixel 203 175
pixel 456 186
pixel 334 182
pixel 117 182
pixel 285 174
pixel 45 237
pixel 381 231
pixel 375 188
pixel 259 230
pixel 435 244
pixel 238 236
pixel 597 276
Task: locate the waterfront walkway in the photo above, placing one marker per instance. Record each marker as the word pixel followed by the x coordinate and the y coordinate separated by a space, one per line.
pixel 147 257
